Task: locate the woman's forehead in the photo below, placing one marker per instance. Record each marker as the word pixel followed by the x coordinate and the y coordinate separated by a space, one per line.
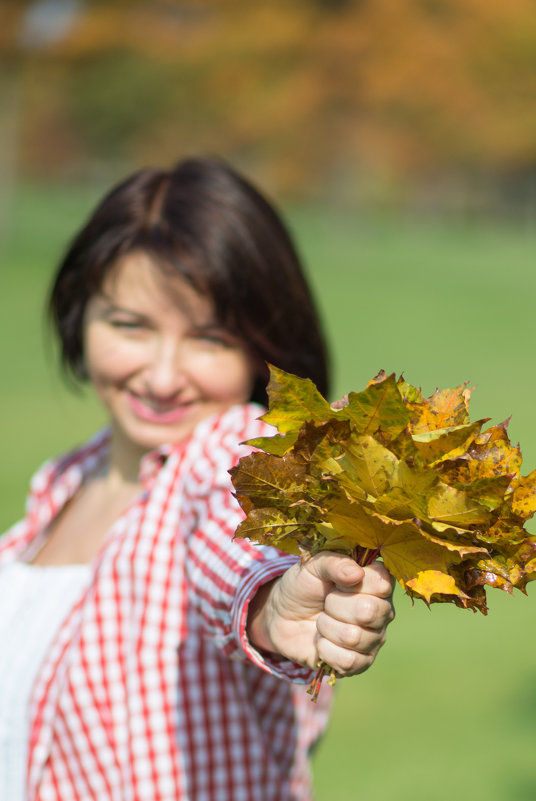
pixel 137 278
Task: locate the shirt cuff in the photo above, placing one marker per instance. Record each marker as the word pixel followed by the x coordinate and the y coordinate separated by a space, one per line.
pixel 263 571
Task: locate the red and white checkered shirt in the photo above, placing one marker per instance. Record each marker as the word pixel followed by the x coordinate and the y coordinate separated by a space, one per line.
pixel 151 690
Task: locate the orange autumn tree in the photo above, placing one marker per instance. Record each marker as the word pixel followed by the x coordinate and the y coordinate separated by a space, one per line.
pixel 311 89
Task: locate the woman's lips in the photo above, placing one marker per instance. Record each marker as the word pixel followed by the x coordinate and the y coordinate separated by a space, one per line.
pixel 145 410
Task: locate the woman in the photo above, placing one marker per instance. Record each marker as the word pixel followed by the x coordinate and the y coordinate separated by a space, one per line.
pixel 159 658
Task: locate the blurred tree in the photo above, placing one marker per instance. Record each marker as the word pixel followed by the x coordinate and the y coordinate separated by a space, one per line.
pixel 315 93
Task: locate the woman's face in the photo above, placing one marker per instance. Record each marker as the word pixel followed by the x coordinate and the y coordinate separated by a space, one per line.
pixel 156 356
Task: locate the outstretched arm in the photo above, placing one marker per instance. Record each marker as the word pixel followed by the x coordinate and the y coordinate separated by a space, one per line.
pixel 327 608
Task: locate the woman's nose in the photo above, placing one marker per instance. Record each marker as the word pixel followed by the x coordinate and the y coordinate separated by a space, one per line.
pixel 165 376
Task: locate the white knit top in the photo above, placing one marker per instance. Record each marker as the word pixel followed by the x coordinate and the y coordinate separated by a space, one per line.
pixel 34 600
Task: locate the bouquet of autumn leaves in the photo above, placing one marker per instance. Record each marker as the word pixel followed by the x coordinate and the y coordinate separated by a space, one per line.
pixel 387 472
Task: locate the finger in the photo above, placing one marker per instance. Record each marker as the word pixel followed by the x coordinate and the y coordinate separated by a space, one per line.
pixel 359 609
pixel 344 661
pixel 377 581
pixel 336 568
pixel 350 637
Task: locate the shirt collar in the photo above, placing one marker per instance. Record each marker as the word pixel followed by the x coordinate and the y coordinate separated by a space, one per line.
pixel 151 464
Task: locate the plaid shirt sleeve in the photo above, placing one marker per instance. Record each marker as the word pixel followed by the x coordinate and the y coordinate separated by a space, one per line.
pixel 223 573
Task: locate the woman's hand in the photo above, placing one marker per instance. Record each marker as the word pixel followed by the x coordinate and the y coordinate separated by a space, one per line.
pixel 327 608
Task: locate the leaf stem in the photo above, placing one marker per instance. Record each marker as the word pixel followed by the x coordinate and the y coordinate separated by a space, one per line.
pixel 314 687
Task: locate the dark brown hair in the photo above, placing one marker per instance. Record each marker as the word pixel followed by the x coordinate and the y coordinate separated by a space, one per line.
pixel 207 223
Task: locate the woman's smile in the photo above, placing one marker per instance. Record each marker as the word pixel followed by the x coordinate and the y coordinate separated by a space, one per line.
pixel 157 411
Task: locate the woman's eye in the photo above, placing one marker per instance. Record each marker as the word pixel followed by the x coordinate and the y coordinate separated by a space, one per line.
pixel 214 338
pixel 132 325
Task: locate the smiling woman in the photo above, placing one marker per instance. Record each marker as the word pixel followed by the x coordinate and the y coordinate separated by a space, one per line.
pixel 162 658
pixel 208 225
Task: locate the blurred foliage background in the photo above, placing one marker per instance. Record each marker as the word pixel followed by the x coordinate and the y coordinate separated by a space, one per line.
pixel 400 140
pixel 429 102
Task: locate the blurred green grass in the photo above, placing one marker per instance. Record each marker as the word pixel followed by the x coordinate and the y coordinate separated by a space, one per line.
pixel 449 708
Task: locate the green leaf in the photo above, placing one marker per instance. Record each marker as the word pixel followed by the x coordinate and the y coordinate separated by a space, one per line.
pixel 294 400
pixel 278 445
pixel 378 406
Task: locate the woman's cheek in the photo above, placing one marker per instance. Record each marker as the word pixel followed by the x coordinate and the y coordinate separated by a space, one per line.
pixel 110 357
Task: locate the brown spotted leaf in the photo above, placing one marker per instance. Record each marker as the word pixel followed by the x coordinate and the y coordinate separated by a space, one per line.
pixel 523 502
pixel 268 480
pixel 446 408
pixel 440 444
pixel 378 406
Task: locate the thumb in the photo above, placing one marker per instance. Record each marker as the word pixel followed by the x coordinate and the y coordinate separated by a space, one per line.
pixel 336 568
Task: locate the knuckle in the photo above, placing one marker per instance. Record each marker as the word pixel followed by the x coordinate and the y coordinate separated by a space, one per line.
pixel 352 637
pixel 346 662
pixel 386 590
pixel 367 610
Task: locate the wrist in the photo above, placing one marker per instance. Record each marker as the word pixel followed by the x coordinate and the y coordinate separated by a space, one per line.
pixel 260 613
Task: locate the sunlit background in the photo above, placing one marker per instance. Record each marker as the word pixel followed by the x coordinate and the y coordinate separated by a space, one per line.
pixel 399 138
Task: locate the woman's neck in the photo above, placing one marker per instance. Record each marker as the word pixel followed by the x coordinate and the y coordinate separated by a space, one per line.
pixel 124 459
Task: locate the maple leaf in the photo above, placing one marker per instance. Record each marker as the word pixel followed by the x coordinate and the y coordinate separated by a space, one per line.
pixel 523 500
pixel 380 405
pixel 368 465
pixel 449 505
pixel 446 408
pixel 439 444
pixel 272 526
pixel 293 402
pixel 430 583
pixel 389 472
pixel 487 458
pixel 401 543
pixel 266 479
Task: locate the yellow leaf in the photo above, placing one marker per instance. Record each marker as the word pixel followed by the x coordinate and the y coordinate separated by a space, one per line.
pixel 433 582
pixel 370 465
pixel 378 406
pixel 437 445
pixel 446 408
pixel 294 400
pixel 402 545
pixel 524 496
pixel 449 505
